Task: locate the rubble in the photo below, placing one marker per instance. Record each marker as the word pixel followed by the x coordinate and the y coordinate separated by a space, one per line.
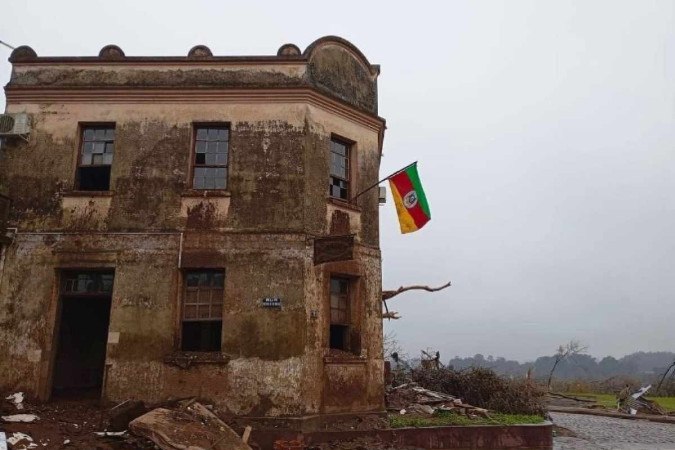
pixel 21 441
pixel 111 433
pixel 636 402
pixel 412 398
pixel 192 426
pixel 123 413
pixel 16 399
pixel 27 418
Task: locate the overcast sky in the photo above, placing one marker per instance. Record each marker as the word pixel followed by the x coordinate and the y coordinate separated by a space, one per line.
pixel 544 134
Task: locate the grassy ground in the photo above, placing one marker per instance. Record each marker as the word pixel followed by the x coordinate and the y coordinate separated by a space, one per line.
pixel 609 400
pixel 446 418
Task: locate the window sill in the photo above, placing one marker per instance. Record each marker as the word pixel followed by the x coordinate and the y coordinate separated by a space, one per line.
pixel 185 359
pixel 89 194
pixel 206 193
pixel 344 360
pixel 335 356
pixel 344 204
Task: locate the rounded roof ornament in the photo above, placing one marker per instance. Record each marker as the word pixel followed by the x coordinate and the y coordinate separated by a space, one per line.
pixel 111 52
pixel 200 51
pixel 288 50
pixel 344 43
pixel 22 52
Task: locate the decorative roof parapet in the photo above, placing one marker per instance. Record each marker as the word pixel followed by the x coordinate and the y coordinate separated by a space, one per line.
pixel 331 65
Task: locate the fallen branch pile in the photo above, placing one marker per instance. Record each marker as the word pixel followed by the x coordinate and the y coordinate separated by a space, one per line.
pixel 412 398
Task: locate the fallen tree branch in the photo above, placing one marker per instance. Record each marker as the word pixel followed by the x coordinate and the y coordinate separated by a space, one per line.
pixel 570 397
pixel 386 295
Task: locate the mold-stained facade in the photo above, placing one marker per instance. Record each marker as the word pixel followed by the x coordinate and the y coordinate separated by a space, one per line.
pixel 147 236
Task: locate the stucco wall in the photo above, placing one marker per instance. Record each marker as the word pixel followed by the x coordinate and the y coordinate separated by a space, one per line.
pixel 151 226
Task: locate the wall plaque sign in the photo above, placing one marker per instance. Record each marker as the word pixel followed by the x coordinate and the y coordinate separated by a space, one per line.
pixel 271 302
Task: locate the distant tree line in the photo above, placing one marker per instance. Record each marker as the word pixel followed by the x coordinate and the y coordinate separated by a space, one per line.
pixel 639 365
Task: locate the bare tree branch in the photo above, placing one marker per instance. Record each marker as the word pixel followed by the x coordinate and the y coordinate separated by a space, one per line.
pixel 658 389
pixel 386 295
pixel 564 352
pixel 391 315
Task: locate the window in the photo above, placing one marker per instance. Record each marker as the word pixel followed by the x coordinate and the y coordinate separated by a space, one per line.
pixel 339 169
pixel 87 283
pixel 202 318
pixel 210 163
pixel 340 318
pixel 96 156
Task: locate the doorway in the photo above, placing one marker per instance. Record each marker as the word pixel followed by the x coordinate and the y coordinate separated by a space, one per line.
pixel 84 300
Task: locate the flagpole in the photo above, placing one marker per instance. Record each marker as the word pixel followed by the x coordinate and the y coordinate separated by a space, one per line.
pixel 382 180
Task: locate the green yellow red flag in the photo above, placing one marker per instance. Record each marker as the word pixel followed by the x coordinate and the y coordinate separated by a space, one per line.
pixel 411 203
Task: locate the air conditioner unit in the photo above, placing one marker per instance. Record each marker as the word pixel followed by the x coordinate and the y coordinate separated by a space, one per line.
pixel 16 124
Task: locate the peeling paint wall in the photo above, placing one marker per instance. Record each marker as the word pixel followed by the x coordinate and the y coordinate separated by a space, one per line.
pixel 151 226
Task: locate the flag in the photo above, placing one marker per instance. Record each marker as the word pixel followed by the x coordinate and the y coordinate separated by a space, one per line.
pixel 411 203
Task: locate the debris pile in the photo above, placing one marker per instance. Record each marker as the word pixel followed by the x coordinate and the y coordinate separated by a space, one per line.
pixel 16 399
pixel 190 426
pixel 483 387
pixel 411 398
pixel 636 402
pixel 129 425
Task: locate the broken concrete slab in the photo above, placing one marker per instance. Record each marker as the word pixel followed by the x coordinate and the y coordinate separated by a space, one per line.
pixel 26 418
pixel 194 427
pixel 21 441
pixel 16 399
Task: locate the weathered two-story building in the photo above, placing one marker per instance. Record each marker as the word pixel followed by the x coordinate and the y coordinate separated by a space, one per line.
pixel 184 226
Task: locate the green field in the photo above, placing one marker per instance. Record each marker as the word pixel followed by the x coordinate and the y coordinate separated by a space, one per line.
pixel 609 400
pixel 447 418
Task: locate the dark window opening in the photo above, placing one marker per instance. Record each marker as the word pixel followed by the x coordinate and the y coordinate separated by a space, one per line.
pixel 202 336
pixel 340 319
pixel 202 317
pixel 339 170
pixel 339 337
pixel 211 157
pixel 94 178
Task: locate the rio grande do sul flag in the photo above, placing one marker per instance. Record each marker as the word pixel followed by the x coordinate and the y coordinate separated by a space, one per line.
pixel 411 203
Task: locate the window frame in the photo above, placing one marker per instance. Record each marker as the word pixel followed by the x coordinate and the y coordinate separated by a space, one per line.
pixel 351 172
pixel 193 154
pixel 82 127
pixel 348 325
pixel 185 273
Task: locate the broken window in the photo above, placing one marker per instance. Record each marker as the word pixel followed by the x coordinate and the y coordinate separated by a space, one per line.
pixel 96 156
pixel 202 310
pixel 340 319
pixel 339 169
pixel 211 153
pixel 87 283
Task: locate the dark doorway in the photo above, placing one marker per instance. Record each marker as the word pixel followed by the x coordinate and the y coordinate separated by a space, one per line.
pixel 82 334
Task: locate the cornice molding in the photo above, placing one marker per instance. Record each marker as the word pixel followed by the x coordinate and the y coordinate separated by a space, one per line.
pixel 154 61
pixel 19 95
